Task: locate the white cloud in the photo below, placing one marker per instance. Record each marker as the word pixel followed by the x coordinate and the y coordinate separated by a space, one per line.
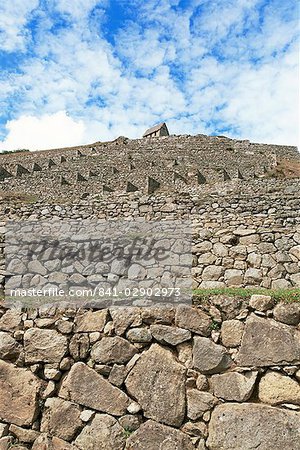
pixel 48 131
pixel 161 68
pixel 14 15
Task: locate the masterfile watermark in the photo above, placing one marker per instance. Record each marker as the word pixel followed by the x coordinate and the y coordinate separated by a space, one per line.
pixel 98 263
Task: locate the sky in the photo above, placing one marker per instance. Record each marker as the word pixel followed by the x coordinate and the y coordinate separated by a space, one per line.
pixel 81 71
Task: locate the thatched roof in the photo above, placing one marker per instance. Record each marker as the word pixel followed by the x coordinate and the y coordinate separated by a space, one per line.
pixel 154 129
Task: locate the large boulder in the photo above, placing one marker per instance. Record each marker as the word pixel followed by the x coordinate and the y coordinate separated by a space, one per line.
pixel 248 425
pixel 9 348
pixel 42 345
pixel 157 382
pixel 91 321
pixel 85 386
pixel 153 436
pixel 267 343
pixel 103 433
pixel 19 390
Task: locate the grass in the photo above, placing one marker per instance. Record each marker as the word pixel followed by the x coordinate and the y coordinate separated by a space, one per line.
pixel 279 295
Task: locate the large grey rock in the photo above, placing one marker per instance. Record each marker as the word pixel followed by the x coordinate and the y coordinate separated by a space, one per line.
pixel 275 388
pixel 86 387
pixel 157 382
pixel 153 436
pixel 112 350
pixel 9 348
pixel 46 346
pixel 193 319
pixel 209 357
pixel 233 386
pixel 61 418
pixel 170 335
pixel 266 342
pixel 251 426
pixel 19 390
pixel 103 433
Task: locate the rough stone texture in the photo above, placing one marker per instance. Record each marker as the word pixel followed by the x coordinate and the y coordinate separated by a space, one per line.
pixel 157 383
pixel 61 418
pixel 19 390
pixel 152 436
pixel 267 342
pixel 209 357
pixel 233 386
pixel 193 319
pixel 91 321
pixel 84 386
pixel 44 345
pixel 275 388
pixel 23 434
pixel 103 433
pixel 288 313
pixel 9 348
pixel 232 332
pixel 170 335
pixel 261 302
pixel 198 403
pixel 11 320
pixel 250 426
pixel 110 350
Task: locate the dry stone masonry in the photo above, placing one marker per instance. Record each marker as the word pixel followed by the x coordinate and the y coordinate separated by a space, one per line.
pixel 191 377
pixel 220 375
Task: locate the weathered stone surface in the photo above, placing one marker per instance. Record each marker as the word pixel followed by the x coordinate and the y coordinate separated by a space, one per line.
pixel 233 386
pixel 157 382
pixel 193 319
pixel 129 422
pixel 18 394
pixel 261 302
pixel 209 357
pixel 275 388
pixel 110 350
pixel 46 346
pixel 288 313
pixel 9 348
pixel 91 321
pixel 86 387
pixel 104 433
pixel 170 335
pixel 139 335
pixel 79 346
pixel 158 314
pixel 61 418
pixel 153 436
pixel 11 320
pixel 266 342
pixel 23 434
pixel 232 332
pixel 60 444
pixel 43 442
pixel 124 318
pixel 198 402
pixel 249 426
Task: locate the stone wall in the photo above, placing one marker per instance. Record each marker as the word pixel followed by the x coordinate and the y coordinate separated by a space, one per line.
pixel 173 164
pixel 221 375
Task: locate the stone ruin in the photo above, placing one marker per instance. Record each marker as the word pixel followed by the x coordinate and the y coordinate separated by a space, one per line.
pixel 223 373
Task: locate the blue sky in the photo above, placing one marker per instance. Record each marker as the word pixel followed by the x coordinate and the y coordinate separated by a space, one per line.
pixel 80 71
